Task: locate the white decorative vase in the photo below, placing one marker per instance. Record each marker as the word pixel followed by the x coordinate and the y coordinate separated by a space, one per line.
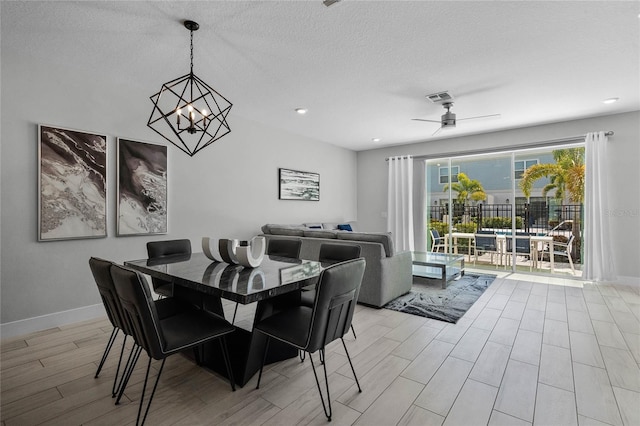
pixel 251 254
pixel 246 253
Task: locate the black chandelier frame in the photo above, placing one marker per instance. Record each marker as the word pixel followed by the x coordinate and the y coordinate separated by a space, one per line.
pixel 210 127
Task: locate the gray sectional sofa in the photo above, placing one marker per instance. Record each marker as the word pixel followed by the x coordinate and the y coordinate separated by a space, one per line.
pixel 387 274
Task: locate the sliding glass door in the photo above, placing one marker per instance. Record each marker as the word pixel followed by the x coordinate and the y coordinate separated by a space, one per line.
pixel 508 210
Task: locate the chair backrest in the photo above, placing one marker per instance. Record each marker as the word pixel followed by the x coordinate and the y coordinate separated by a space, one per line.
pixel 523 242
pixel 336 296
pixel 486 242
pixel 139 309
pixel 334 253
pixel 284 247
pixel 570 244
pixel 101 270
pixel 434 234
pixel 157 249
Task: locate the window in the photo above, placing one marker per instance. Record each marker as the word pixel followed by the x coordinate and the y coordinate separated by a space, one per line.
pixel 521 166
pixel 444 174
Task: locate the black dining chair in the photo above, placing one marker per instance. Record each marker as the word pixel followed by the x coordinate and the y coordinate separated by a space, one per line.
pixel 161 338
pixel 332 253
pixel 311 329
pixel 101 270
pixel 284 247
pixel 159 249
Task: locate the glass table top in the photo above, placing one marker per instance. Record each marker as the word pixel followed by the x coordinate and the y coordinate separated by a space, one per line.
pixel 276 275
pixel 437 258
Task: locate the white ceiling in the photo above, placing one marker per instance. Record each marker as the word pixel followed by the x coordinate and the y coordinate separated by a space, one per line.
pixel 362 68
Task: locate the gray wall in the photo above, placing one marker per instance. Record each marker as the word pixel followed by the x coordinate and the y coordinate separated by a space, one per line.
pixel 624 155
pixel 227 190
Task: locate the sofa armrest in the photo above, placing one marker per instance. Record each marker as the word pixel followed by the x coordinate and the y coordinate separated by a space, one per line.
pixel 391 278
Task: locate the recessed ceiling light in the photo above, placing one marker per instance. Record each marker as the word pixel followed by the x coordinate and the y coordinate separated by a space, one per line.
pixel 375 140
pixel 610 100
pixel 301 111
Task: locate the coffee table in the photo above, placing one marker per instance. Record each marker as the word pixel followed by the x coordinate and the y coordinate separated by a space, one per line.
pixel 441 266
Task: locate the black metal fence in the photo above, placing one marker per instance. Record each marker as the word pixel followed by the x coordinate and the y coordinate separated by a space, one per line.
pixel 535 217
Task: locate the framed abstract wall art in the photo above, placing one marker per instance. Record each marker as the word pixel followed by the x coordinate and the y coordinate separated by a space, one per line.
pixel 142 188
pixel 297 185
pixel 72 184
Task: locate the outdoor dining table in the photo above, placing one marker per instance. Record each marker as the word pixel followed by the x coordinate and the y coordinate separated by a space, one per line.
pixel 275 284
pixel 538 243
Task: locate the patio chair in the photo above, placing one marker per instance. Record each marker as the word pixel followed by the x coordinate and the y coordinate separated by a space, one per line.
pixel 485 243
pixel 436 240
pixel 563 249
pixel 523 247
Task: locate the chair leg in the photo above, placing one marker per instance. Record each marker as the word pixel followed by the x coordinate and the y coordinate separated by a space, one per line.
pixel 227 362
pixel 196 355
pixel 128 369
pixel 353 330
pixel 573 270
pixel 327 412
pixel 301 354
pixel 114 389
pixel 351 364
pixel 144 388
pixel 112 338
pixel 264 358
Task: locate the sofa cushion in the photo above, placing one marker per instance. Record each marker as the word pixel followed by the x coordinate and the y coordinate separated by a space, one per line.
pixel 267 229
pixel 383 238
pixel 320 233
pixel 287 230
pixel 330 225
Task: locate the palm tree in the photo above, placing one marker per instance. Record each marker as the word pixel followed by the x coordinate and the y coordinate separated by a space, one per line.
pixel 467 189
pixel 566 176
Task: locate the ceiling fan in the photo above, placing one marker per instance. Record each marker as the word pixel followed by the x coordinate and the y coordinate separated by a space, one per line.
pixel 448 119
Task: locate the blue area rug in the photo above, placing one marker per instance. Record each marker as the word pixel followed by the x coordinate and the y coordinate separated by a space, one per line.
pixel 428 299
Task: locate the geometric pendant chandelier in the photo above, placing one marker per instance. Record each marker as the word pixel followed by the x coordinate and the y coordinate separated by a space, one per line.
pixel 188 112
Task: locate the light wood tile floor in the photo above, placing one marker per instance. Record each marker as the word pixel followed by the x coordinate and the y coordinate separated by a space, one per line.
pixel 528 352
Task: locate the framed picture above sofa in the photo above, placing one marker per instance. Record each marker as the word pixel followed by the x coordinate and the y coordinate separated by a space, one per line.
pixel 298 185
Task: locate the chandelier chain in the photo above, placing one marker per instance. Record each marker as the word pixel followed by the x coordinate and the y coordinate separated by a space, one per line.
pixel 191 51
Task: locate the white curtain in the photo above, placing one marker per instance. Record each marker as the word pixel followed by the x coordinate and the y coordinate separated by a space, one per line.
pixel 598 261
pixel 400 202
pixel 419 206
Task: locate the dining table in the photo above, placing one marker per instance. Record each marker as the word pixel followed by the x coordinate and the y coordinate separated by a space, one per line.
pixel 274 285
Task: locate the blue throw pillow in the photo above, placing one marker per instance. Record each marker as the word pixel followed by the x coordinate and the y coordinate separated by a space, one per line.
pixel 315 227
pixel 345 227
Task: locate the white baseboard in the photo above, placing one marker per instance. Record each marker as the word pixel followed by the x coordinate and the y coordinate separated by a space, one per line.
pixel 30 325
pixel 630 281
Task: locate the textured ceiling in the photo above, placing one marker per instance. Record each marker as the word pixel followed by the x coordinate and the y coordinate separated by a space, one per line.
pixel 361 68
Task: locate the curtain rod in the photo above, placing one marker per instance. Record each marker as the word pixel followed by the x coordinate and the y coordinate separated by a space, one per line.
pixel 539 144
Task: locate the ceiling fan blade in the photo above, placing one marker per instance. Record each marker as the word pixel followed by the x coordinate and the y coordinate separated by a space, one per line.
pixel 480 116
pixel 430 121
pixel 437 131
